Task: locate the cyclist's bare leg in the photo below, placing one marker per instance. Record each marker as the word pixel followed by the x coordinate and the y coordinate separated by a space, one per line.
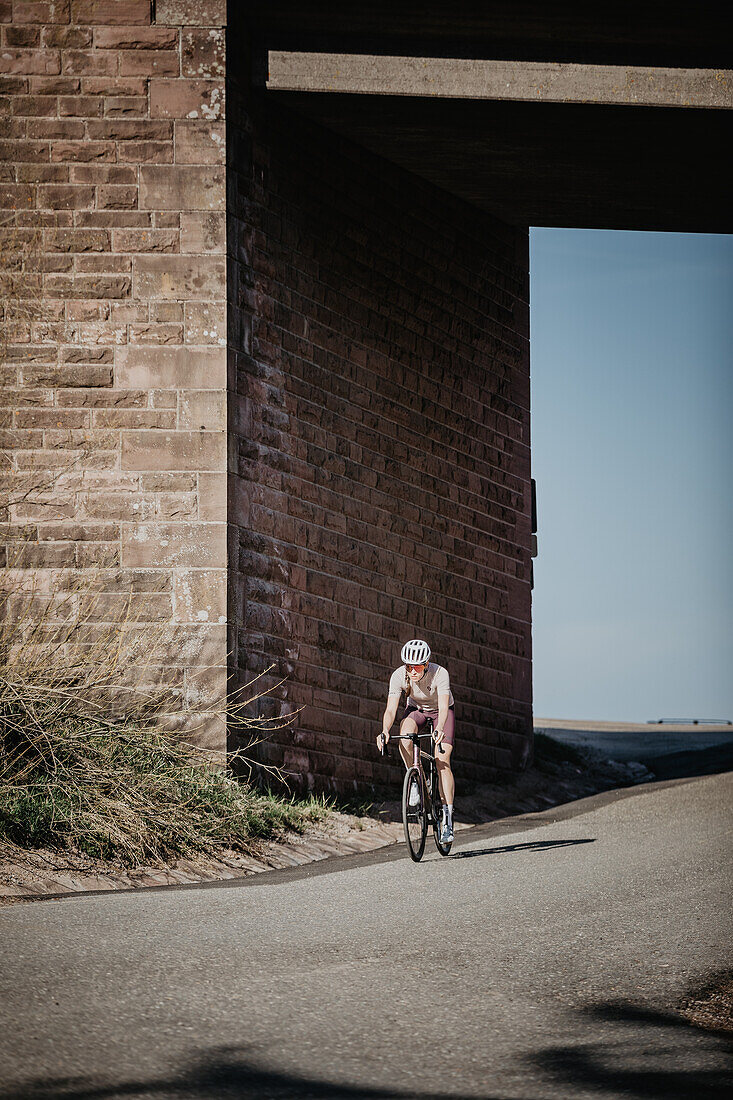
pixel 408 727
pixel 445 774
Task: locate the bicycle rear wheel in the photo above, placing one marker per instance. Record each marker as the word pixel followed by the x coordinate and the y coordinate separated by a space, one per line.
pixel 414 818
pixel 437 802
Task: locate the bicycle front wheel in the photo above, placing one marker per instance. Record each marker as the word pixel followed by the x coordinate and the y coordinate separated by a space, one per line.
pixel 414 813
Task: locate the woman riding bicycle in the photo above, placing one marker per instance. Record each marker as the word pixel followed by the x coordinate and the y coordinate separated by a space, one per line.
pixel 428 695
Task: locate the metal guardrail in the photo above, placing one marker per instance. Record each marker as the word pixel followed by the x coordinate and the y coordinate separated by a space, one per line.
pixel 689 722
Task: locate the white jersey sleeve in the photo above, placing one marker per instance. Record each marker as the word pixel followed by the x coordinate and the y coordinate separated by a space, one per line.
pixel 397 682
pixel 441 683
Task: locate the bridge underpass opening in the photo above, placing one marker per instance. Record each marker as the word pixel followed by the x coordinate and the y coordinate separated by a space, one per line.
pixel 631 392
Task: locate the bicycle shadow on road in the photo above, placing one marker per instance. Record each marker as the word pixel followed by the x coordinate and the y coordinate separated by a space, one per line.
pixel 534 846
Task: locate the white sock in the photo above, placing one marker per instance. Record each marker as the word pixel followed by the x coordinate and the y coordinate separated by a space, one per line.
pixel 448 812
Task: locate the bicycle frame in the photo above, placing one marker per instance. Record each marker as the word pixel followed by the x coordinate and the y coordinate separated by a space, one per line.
pixel 417 762
pixel 427 808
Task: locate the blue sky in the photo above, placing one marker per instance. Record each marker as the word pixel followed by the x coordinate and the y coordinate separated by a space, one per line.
pixel 632 387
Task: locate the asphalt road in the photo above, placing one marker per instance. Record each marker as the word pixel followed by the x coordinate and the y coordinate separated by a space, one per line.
pixel 543 959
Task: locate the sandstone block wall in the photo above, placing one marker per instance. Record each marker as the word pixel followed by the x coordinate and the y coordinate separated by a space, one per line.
pixel 113 399
pixel 379 424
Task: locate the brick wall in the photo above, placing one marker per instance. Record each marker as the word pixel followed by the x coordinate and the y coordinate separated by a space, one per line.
pixel 379 442
pixel 112 181
pixel 378 385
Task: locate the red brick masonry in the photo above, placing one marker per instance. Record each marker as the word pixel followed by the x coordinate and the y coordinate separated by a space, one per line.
pixel 380 431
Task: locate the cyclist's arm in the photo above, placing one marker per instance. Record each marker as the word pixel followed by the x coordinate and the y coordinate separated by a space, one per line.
pixel 390 713
pixel 443 705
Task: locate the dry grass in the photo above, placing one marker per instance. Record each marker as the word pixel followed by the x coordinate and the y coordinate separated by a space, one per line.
pixel 84 761
pixel 127 794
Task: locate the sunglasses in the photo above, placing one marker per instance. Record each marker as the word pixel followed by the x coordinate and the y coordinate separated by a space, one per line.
pixel 414 668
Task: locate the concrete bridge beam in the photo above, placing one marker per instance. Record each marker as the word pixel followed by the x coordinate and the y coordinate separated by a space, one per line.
pixel 474 78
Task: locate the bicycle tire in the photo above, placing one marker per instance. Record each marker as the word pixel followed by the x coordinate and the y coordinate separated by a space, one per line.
pixel 437 801
pixel 414 818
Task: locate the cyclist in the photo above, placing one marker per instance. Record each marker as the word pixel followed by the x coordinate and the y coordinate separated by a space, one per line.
pixel 427 695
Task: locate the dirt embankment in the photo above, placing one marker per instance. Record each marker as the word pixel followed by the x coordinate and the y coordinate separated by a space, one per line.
pixel 558 775
pixel 711 1008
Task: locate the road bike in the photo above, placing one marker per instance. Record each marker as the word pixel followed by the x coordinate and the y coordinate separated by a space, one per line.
pixel 422 804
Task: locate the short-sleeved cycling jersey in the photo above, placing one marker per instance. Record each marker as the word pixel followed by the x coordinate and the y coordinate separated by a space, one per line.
pixel 423 693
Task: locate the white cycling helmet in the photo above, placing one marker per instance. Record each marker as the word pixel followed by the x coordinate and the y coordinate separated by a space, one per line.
pixel 415 652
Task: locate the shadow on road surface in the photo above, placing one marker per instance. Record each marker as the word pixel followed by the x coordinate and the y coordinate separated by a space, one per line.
pixel 711 761
pixel 642 1054
pixel 645 1053
pixel 533 846
pixel 225 1075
